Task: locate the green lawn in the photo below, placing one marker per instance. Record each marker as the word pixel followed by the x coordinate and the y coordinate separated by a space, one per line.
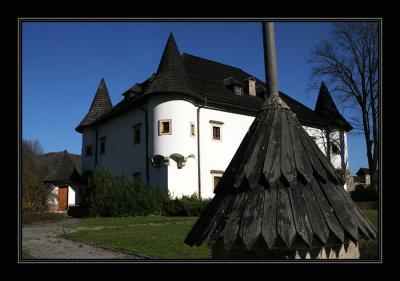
pixel 369 248
pixel 162 237
pixel 372 216
pixel 153 236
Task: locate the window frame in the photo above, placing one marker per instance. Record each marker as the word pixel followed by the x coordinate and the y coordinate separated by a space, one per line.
pixel 218 124
pixel 215 174
pixel 336 148
pixel 219 133
pixel 192 125
pixel 160 127
pixel 102 145
pixel 137 128
pixel 91 151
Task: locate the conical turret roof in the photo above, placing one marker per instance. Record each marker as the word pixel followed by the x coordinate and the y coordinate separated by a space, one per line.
pixel 326 108
pixel 279 190
pixel 101 104
pixel 171 76
pixel 64 171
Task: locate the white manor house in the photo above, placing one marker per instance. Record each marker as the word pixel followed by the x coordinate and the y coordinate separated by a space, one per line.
pixel 180 128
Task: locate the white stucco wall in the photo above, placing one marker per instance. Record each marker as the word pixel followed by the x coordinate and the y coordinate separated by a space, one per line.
pixel 121 154
pixel 88 138
pixel 216 154
pixel 182 113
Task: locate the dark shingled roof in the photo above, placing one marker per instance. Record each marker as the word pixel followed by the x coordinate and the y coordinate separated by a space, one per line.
pixel 64 171
pixel 362 172
pixel 171 75
pixel 101 104
pixel 202 80
pixel 279 190
pixel 53 157
pixel 326 108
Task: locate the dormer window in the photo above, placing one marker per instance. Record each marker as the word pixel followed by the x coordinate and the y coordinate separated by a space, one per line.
pixel 238 90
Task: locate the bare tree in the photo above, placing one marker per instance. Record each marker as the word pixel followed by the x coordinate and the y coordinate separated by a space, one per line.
pixel 348 61
pixel 35 193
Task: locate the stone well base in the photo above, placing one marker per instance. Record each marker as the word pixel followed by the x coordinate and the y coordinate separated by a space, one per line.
pixel 350 251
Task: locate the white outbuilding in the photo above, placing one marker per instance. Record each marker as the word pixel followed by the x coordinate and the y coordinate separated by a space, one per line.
pixel 65 182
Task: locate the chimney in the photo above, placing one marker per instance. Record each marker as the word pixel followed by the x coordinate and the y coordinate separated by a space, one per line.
pixel 252 86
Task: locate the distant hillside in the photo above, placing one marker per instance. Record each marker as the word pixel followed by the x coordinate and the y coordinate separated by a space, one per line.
pixel 52 157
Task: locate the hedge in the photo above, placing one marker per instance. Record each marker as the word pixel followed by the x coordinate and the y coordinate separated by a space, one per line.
pixel 108 195
pixel 364 194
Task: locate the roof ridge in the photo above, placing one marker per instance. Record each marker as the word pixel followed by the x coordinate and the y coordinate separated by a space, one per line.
pixel 183 54
pixel 202 79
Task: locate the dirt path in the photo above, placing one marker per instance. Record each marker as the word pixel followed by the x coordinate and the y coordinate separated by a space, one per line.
pixel 42 242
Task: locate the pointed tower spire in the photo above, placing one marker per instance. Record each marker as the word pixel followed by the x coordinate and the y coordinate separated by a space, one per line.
pixel 171 76
pixel 326 108
pixel 101 104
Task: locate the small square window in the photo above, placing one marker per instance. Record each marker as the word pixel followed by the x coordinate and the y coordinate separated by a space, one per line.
pixel 88 151
pixel 216 181
pixel 335 149
pixel 136 134
pixel 165 127
pixel 216 177
pixel 103 145
pixel 216 133
pixel 192 130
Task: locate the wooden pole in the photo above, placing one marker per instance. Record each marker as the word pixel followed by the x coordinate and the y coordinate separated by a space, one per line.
pixel 271 72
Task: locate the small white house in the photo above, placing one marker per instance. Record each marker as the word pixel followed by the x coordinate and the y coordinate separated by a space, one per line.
pixel 180 128
pixel 65 182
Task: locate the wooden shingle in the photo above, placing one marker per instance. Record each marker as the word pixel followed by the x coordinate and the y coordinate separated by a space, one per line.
pixel 279 188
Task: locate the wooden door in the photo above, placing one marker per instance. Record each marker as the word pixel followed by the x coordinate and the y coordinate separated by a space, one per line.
pixel 62 198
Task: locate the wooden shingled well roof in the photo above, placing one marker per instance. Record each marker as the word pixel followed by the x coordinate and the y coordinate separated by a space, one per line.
pixel 280 190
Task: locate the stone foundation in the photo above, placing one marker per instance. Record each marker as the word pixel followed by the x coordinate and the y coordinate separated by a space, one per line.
pixel 342 251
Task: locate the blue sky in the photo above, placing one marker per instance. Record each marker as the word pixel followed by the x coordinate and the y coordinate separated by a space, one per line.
pixel 62 64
